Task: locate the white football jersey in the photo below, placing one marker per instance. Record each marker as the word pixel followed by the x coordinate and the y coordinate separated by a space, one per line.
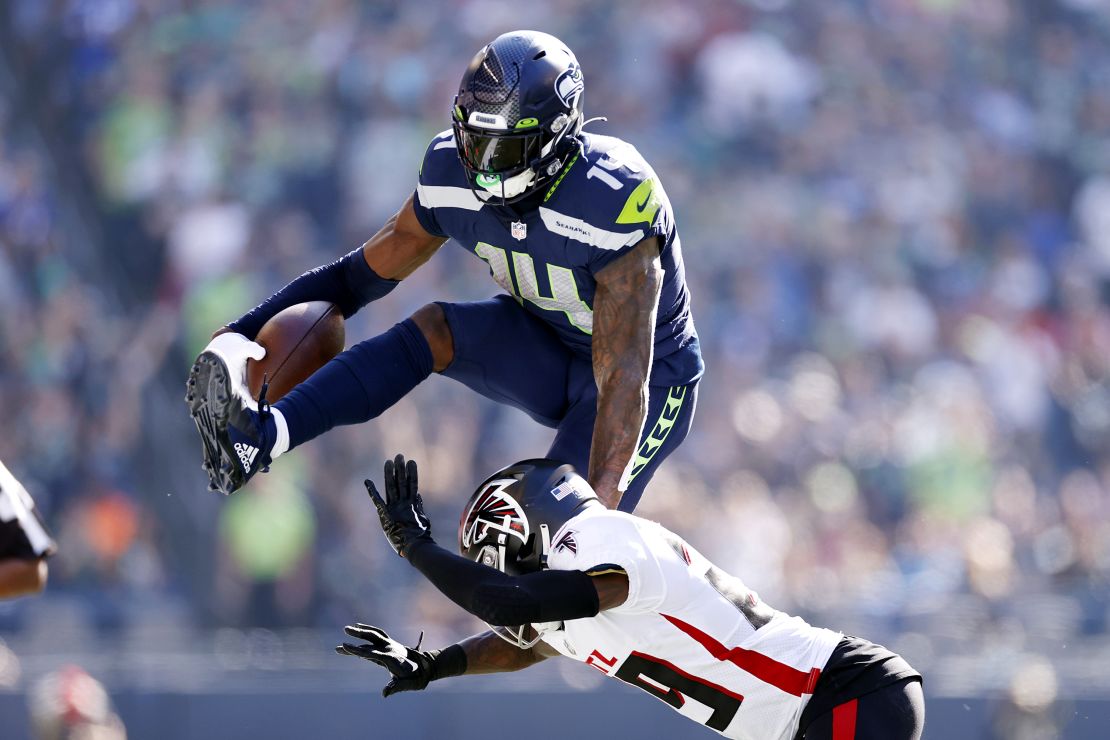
pixel 689 634
pixel 17 508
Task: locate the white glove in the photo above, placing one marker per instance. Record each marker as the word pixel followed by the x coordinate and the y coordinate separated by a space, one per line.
pixel 235 349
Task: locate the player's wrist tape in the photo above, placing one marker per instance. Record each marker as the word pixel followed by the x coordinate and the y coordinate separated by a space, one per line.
pixel 349 283
pixel 448 662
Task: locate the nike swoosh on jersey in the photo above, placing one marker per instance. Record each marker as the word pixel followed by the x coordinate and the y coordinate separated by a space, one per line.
pixel 642 204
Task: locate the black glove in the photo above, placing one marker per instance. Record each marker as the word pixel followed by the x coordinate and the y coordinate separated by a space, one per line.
pixel 411 668
pixel 402 512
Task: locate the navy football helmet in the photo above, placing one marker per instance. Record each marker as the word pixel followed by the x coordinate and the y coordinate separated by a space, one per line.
pixel 517 114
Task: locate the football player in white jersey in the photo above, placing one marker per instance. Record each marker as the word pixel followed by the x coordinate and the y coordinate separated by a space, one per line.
pixel 636 602
pixel 24 542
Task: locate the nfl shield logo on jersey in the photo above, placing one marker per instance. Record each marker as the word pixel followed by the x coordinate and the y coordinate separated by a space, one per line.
pixel 519 230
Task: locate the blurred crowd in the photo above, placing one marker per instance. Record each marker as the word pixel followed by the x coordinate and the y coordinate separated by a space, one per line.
pixel 896 221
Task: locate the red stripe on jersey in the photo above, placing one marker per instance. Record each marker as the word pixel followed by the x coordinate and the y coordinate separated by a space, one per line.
pixel 781 676
pixel 844 720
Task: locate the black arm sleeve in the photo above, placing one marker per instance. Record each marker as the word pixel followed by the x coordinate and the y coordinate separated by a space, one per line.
pixel 349 283
pixel 500 599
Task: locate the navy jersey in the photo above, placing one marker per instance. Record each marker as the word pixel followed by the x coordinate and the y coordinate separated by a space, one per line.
pixel 605 201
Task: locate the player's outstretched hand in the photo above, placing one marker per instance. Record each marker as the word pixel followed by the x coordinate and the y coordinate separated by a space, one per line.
pixel 402 511
pixel 410 668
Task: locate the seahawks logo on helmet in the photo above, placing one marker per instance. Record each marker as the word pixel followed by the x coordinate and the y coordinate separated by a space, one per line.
pixel 494 511
pixel 569 84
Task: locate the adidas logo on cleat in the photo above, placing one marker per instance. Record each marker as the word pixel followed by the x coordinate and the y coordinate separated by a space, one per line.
pixel 246 454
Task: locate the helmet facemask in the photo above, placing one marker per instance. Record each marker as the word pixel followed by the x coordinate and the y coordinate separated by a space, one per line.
pixel 523 636
pixel 512 164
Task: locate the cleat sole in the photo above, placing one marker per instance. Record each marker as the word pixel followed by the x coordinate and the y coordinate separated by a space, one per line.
pixel 209 406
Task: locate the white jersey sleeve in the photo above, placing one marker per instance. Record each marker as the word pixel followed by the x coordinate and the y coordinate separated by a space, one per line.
pixel 609 541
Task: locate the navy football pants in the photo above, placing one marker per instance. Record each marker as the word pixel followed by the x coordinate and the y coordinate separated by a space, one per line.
pixel 512 357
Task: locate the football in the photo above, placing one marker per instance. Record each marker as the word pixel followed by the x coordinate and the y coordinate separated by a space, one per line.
pixel 298 342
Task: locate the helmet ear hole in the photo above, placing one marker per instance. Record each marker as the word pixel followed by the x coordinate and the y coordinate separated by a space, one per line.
pixel 488 557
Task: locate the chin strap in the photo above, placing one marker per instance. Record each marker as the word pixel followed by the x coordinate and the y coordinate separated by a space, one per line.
pixel 566 169
pixel 588 121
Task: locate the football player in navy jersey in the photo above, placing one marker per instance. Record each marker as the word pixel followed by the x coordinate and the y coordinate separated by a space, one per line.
pixel 593 335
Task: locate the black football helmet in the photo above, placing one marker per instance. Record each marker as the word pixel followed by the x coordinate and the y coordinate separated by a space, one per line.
pixel 518 114
pixel 507 524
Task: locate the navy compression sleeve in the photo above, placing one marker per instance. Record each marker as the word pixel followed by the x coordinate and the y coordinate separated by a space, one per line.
pixel 500 599
pixel 349 282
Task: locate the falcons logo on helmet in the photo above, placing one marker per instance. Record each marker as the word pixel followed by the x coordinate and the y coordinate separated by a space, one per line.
pixel 497 512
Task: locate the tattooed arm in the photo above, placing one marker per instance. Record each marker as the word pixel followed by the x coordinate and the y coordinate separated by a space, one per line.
pixel 624 332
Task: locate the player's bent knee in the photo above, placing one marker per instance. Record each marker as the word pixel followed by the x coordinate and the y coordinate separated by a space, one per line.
pixel 433 325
